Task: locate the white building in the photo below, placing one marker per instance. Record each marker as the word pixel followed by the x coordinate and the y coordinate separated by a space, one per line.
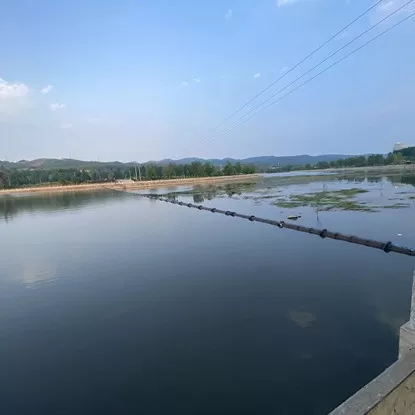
pixel 400 146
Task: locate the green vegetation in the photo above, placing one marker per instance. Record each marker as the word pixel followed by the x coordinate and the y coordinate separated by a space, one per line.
pixel 403 157
pixel 397 206
pixel 202 192
pixel 326 200
pixel 14 178
pixel 335 200
pixel 408 153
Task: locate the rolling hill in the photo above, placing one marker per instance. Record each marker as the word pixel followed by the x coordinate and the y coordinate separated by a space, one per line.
pixel 264 161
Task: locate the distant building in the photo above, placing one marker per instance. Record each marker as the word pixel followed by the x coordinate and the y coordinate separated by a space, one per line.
pixel 400 146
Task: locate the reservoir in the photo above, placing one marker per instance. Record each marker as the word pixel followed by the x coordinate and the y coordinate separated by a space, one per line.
pixel 112 303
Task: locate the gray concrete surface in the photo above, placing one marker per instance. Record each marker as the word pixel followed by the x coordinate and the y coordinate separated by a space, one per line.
pixel 391 393
pixel 407 332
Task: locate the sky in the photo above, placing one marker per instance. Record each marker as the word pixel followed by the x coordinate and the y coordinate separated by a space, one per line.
pixel 146 80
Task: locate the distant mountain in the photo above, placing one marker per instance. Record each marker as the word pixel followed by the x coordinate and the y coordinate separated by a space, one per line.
pixel 188 160
pixel 293 160
pixel 263 161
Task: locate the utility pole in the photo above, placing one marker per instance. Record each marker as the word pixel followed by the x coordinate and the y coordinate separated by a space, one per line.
pixel 139 171
pixel 136 173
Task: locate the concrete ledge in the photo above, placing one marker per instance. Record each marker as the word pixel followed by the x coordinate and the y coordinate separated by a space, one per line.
pixel 406 339
pixel 370 399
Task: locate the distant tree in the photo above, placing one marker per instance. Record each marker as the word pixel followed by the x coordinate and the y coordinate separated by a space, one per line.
pixel 4 177
pixel 375 160
pixel 248 169
pixel 209 169
pixel 397 158
pixel 323 165
pixel 151 172
pixel 228 170
pixel 170 171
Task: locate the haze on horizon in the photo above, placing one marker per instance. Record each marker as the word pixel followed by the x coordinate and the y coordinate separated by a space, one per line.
pixel 129 81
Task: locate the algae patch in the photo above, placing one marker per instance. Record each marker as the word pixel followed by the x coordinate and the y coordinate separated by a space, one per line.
pixel 397 206
pixel 327 200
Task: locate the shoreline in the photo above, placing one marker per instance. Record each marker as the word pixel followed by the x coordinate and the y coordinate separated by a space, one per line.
pixel 127 184
pixel 154 184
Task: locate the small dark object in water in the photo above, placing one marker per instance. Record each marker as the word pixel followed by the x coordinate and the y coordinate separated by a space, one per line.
pixel 294 217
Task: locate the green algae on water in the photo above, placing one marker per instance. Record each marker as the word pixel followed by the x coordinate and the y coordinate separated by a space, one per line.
pixel 327 200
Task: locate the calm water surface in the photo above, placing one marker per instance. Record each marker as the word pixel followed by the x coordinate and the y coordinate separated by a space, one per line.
pixel 113 304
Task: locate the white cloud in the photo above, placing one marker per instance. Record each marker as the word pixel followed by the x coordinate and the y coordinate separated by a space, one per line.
pixel 66 126
pixel 14 97
pixel 56 106
pixel 229 14
pixel 285 2
pixel 284 69
pixel 197 80
pixel 46 89
pixel 9 90
pixel 388 7
pixel 257 75
pixel 185 83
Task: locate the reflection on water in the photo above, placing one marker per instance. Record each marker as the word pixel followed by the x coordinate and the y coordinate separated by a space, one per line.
pixel 12 205
pixel 146 307
pixel 38 272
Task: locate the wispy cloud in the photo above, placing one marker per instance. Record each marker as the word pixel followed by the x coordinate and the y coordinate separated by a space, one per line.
pixel 185 83
pixel 257 75
pixel 229 14
pixel 10 90
pixel 46 89
pixel 66 126
pixel 14 97
pixel 388 7
pixel 56 106
pixel 284 69
pixel 285 2
pixel 196 80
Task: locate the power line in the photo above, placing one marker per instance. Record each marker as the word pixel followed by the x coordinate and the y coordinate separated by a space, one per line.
pixel 297 65
pixel 243 121
pixel 324 60
pixel 292 69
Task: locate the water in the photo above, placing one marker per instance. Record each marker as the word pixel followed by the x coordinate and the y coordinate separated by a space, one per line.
pixel 111 303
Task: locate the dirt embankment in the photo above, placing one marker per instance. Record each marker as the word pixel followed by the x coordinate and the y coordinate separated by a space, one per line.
pixel 131 185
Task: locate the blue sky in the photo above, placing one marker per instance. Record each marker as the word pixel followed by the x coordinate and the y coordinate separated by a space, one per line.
pixel 141 80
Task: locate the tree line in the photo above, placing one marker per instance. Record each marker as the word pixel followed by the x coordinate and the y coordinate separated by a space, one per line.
pixel 355 161
pixel 22 178
pixel 12 178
